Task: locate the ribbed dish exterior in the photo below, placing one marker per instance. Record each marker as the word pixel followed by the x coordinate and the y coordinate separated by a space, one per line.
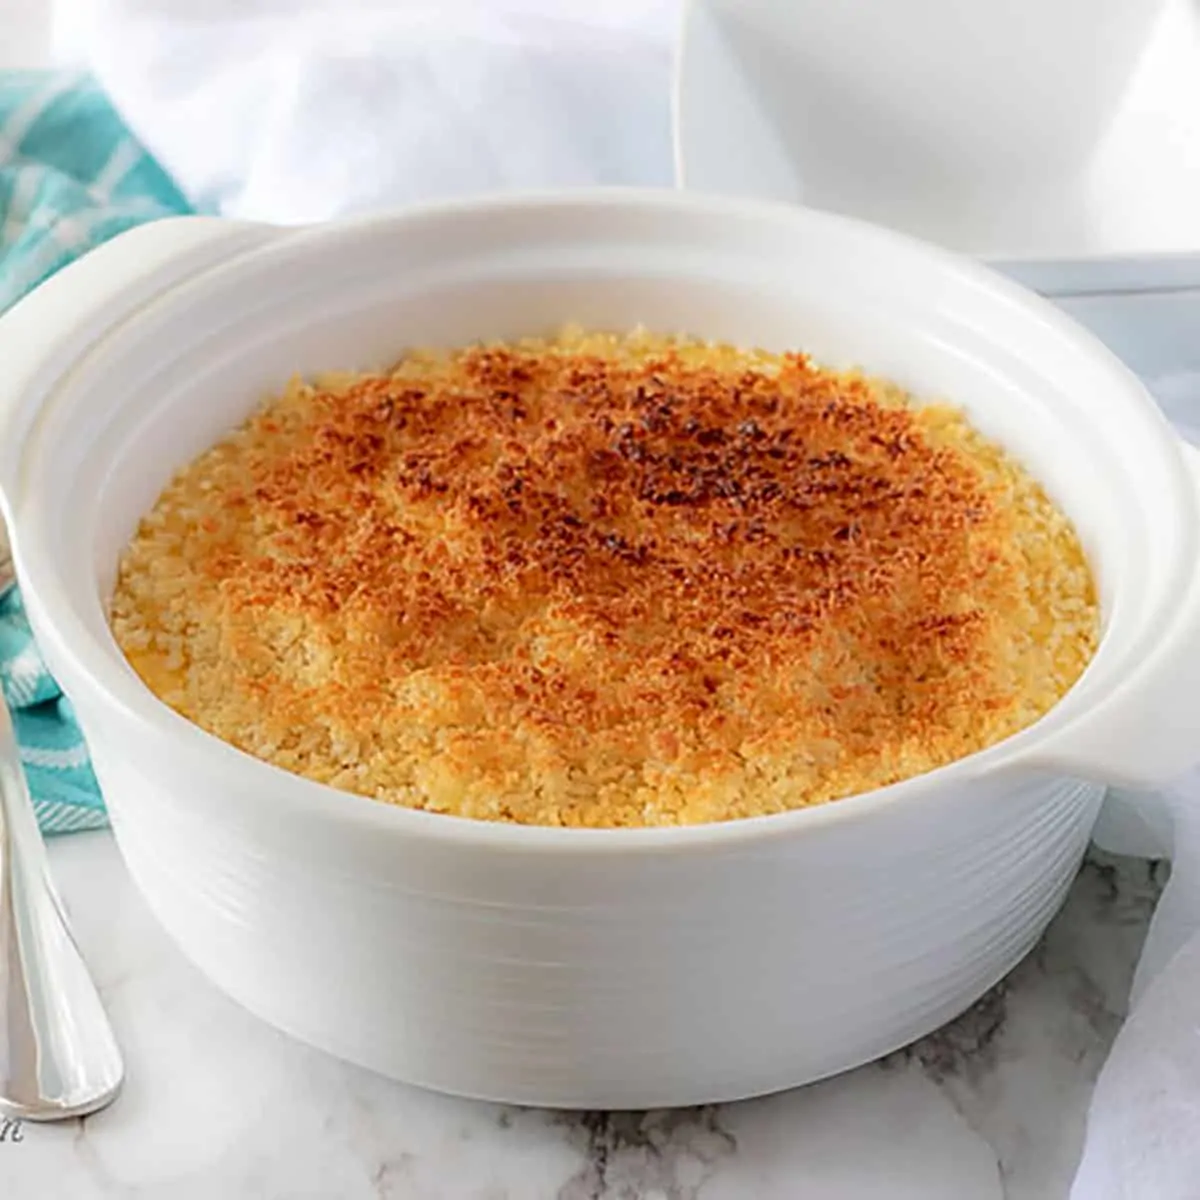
pixel 599 981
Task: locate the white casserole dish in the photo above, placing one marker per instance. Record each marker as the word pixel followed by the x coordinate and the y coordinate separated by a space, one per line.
pixel 585 968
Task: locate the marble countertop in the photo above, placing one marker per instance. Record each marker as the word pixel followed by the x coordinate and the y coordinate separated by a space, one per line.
pixel 219 1105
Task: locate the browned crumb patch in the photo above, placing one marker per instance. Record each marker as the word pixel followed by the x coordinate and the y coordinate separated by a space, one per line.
pixel 606 581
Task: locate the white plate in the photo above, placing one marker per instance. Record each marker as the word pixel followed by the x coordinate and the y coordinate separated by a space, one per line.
pixel 1137 192
pixel 1146 309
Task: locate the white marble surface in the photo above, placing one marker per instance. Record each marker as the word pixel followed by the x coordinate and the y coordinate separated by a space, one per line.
pixel 219 1105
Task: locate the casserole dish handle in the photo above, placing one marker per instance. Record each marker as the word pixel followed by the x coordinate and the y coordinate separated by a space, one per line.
pixel 1146 731
pixel 49 330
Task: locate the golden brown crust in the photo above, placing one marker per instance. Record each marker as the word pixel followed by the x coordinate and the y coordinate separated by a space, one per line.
pixel 606 582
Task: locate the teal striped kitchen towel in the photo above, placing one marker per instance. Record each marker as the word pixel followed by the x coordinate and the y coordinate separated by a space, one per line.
pixel 53 752
pixel 71 176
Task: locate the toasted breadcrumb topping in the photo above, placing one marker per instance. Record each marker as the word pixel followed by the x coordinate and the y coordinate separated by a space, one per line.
pixel 606 581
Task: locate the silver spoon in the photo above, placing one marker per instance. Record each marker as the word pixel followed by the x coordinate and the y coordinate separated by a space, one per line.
pixel 58 1056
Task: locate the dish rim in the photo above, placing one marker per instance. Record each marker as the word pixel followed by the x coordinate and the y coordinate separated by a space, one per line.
pixel 135 705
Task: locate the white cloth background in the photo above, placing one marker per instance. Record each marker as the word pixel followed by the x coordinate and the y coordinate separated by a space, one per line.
pixel 24 33
pixel 299 110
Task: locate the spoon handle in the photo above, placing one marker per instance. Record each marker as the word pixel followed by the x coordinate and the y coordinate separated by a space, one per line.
pixel 58 1056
